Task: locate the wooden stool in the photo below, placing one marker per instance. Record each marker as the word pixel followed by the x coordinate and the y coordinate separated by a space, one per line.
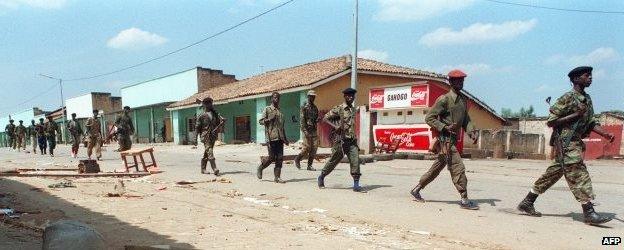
pixel 138 152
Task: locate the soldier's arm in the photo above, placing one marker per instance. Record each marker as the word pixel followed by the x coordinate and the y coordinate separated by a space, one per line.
pixel 560 113
pixel 332 115
pixel 432 116
pixel 264 118
pixel 303 120
pixel 603 133
pixel 199 126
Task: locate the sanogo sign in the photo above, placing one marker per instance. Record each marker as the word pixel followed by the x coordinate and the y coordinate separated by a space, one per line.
pixel 399 97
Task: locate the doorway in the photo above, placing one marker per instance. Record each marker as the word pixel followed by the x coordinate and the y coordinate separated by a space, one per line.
pixel 242 128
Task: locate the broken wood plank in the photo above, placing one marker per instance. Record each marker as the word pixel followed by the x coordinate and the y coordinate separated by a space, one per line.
pixel 45 169
pixel 138 174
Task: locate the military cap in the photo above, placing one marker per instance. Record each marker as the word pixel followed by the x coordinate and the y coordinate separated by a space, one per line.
pixel 312 93
pixel 126 107
pixel 579 71
pixel 456 73
pixel 20 121
pixel 73 114
pixel 96 111
pixel 11 120
pixel 349 91
pixel 41 119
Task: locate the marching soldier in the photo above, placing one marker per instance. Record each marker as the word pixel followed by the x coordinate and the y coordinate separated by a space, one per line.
pixel 20 134
pixel 308 119
pixel 50 131
pixel 342 119
pixel 75 130
pixel 94 136
pixel 273 121
pixel 125 129
pixel 572 119
pixel 41 138
pixel 448 115
pixel 10 132
pixel 208 125
pixel 31 132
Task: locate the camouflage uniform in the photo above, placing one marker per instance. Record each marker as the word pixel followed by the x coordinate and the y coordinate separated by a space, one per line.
pixel 125 129
pixel 20 135
pixel 574 169
pixel 207 123
pixel 41 138
pixel 31 132
pixel 449 109
pixel 94 137
pixel 273 121
pixel 50 132
pixel 308 120
pixel 75 130
pixel 344 140
pixel 10 132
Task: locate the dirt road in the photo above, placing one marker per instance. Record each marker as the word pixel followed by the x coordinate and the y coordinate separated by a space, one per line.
pixel 239 211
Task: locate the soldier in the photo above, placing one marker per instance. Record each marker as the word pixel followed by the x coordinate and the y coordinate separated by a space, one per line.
pixel 572 119
pixel 342 119
pixel 207 126
pixel 125 129
pixel 273 121
pixel 41 138
pixel 94 136
pixel 50 130
pixel 308 119
pixel 448 115
pixel 31 132
pixel 20 135
pixel 10 132
pixel 75 130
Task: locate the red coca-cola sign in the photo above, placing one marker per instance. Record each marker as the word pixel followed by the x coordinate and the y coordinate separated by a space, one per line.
pixel 413 138
pixel 419 95
pixel 376 98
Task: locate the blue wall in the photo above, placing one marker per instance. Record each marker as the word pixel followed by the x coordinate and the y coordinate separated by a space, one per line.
pixel 170 88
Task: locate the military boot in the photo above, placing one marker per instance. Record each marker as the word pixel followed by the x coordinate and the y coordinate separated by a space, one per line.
pixel 591 217
pixel 526 205
pixel 356 186
pixel 298 161
pixel 310 168
pixel 416 193
pixel 203 166
pixel 213 165
pixel 278 174
pixel 321 181
pixel 259 171
pixel 465 203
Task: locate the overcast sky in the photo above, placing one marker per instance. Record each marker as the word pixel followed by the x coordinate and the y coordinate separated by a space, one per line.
pixel 514 56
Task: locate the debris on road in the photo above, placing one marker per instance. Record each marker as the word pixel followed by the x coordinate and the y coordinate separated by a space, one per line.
pixel 63 184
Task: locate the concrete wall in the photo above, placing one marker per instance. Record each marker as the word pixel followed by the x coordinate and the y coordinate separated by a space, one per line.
pixel 537 127
pixel 170 88
pixel 605 119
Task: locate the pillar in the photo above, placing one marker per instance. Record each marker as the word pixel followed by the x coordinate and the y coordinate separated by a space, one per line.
pixel 152 135
pixel 261 103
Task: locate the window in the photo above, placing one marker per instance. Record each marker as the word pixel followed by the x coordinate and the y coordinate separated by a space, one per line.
pixel 400 113
pixel 410 112
pixel 191 124
pixel 384 114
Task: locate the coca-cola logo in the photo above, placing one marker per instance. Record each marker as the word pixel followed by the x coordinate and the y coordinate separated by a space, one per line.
pixel 419 95
pixel 376 99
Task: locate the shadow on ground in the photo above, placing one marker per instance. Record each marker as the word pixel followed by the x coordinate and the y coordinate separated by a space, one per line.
pixel 491 202
pixel 117 233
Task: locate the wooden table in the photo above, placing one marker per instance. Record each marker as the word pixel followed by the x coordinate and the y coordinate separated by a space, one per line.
pixel 138 152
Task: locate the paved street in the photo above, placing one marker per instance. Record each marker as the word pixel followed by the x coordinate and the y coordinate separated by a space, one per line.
pixel 239 211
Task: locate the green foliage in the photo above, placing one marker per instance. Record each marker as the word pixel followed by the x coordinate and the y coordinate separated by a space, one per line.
pixel 523 113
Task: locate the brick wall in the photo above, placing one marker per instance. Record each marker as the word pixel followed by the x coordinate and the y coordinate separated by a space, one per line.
pixel 209 78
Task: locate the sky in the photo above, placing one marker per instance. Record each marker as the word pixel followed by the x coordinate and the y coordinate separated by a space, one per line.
pixel 514 56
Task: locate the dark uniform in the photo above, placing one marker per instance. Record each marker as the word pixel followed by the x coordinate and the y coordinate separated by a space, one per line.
pixel 75 130
pixel 567 140
pixel 94 137
pixel 273 121
pixel 50 132
pixel 125 129
pixel 20 135
pixel 309 117
pixel 31 133
pixel 207 126
pixel 41 138
pixel 344 141
pixel 10 132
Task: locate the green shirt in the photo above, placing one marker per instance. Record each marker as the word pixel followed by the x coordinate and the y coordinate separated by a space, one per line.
pixel 344 115
pixel 273 121
pixel 309 118
pixel 206 124
pixel 448 109
pixel 20 130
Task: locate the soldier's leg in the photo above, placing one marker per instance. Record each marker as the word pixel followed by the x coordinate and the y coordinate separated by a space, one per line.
pixel 314 142
pixel 336 156
pixel 433 171
pixel 210 157
pixel 265 162
pixel 553 173
pixel 579 182
pixel 305 151
pixel 33 141
pixel 204 160
pixel 98 148
pixel 352 152
pixel 458 174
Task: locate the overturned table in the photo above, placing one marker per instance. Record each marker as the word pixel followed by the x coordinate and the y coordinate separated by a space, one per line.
pixel 138 152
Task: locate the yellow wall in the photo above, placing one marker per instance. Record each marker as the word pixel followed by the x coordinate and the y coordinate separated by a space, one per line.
pixel 330 94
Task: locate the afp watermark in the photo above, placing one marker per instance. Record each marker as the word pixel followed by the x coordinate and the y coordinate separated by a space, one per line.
pixel 611 241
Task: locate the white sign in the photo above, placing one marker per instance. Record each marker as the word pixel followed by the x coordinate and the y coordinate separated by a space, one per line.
pixel 398 97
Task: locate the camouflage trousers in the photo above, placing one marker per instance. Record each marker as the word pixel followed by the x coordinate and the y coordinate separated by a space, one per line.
pixel 457 170
pixel 21 142
pixel 12 140
pixel 125 143
pixel 208 150
pixel 33 143
pixel 575 174
pixel 349 148
pixel 51 143
pixel 94 143
pixel 310 145
pixel 75 143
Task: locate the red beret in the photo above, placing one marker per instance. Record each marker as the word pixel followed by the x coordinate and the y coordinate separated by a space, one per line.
pixel 456 74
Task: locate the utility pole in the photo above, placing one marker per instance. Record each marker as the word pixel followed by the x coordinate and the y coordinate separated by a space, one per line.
pixel 354 58
pixel 63 112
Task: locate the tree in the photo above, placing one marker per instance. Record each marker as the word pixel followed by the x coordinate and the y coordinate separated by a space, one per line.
pixel 523 113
